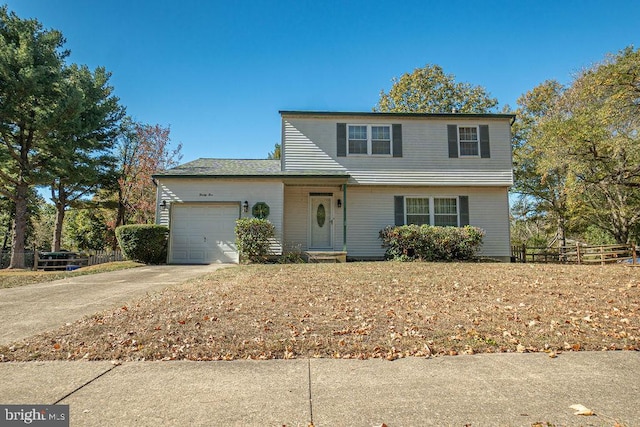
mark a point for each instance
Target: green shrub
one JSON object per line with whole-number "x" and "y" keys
{"x": 428, "y": 243}
{"x": 145, "y": 243}
{"x": 253, "y": 237}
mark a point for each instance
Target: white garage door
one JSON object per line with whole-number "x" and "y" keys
{"x": 203, "y": 234}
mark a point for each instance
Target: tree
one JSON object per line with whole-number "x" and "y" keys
{"x": 142, "y": 151}
{"x": 275, "y": 154}
{"x": 43, "y": 219}
{"x": 86, "y": 229}
{"x": 430, "y": 90}
{"x": 541, "y": 187}
{"x": 587, "y": 140}
{"x": 89, "y": 117}
{"x": 596, "y": 132}
{"x": 6, "y": 221}
{"x": 31, "y": 64}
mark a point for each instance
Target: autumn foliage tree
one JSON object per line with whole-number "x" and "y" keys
{"x": 577, "y": 149}
{"x": 543, "y": 189}
{"x": 142, "y": 151}
{"x": 431, "y": 90}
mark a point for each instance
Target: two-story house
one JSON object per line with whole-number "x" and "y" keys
{"x": 342, "y": 178}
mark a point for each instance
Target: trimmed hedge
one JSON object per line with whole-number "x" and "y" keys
{"x": 253, "y": 237}
{"x": 429, "y": 243}
{"x": 145, "y": 243}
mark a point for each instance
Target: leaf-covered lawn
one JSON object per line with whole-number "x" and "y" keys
{"x": 361, "y": 310}
{"x": 13, "y": 278}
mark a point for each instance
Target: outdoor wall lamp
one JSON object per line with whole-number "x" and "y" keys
{"x": 163, "y": 205}
{"x": 245, "y": 207}
{"x": 339, "y": 203}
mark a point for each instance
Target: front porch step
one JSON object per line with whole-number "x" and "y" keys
{"x": 325, "y": 257}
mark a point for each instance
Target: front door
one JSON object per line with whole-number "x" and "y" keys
{"x": 321, "y": 220}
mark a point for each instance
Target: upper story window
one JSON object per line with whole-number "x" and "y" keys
{"x": 369, "y": 139}
{"x": 358, "y": 140}
{"x": 468, "y": 137}
{"x": 468, "y": 141}
{"x": 381, "y": 140}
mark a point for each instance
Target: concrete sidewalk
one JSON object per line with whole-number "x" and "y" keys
{"x": 27, "y": 310}
{"x": 480, "y": 390}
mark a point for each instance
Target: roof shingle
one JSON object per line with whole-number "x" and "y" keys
{"x": 207, "y": 167}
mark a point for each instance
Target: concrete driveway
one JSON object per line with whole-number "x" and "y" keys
{"x": 27, "y": 310}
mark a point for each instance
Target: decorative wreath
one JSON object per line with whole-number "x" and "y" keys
{"x": 260, "y": 210}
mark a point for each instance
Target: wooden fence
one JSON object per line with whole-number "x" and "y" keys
{"x": 576, "y": 254}
{"x": 100, "y": 257}
{"x": 58, "y": 261}
{"x": 62, "y": 261}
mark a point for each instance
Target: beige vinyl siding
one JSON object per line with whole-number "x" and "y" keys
{"x": 489, "y": 210}
{"x": 296, "y": 217}
{"x": 308, "y": 149}
{"x": 370, "y": 209}
{"x": 310, "y": 143}
{"x": 185, "y": 190}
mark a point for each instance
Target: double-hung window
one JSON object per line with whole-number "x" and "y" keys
{"x": 381, "y": 140}
{"x": 358, "y": 139}
{"x": 369, "y": 140}
{"x": 439, "y": 211}
{"x": 445, "y": 212}
{"x": 469, "y": 142}
{"x": 417, "y": 210}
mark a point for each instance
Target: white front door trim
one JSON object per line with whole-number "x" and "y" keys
{"x": 321, "y": 221}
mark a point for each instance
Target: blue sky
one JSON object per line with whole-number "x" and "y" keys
{"x": 218, "y": 72}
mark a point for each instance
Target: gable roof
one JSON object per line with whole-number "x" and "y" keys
{"x": 241, "y": 168}
{"x": 511, "y": 117}
{"x": 208, "y": 166}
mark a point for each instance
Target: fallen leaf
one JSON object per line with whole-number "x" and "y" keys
{"x": 582, "y": 410}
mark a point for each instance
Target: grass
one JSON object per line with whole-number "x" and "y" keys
{"x": 13, "y": 278}
{"x": 361, "y": 310}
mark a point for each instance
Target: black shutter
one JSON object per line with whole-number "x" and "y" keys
{"x": 397, "y": 140}
{"x": 452, "y": 132}
{"x": 485, "y": 153}
{"x": 342, "y": 140}
{"x": 399, "y": 209}
{"x": 464, "y": 210}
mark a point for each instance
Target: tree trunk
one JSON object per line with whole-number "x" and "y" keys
{"x": 122, "y": 210}
{"x": 19, "y": 227}
{"x": 6, "y": 238}
{"x": 57, "y": 229}
{"x": 60, "y": 202}
{"x": 562, "y": 237}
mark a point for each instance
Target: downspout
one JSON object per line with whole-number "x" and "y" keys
{"x": 344, "y": 218}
